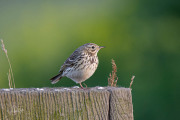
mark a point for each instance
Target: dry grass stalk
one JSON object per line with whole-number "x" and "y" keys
{"x": 10, "y": 74}
{"x": 112, "y": 80}
{"x": 9, "y": 79}
{"x": 132, "y": 79}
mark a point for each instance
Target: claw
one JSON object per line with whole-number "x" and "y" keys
{"x": 81, "y": 86}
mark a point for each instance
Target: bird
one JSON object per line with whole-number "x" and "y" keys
{"x": 81, "y": 64}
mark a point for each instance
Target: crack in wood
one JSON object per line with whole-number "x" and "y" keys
{"x": 107, "y": 103}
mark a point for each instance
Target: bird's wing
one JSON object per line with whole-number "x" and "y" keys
{"x": 70, "y": 61}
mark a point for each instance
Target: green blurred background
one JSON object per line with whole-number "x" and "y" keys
{"x": 143, "y": 37}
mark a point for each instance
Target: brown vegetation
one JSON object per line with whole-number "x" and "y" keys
{"x": 10, "y": 73}
{"x": 112, "y": 80}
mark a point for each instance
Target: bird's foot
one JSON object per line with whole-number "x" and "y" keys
{"x": 82, "y": 86}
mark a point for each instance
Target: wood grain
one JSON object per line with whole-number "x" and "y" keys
{"x": 96, "y": 103}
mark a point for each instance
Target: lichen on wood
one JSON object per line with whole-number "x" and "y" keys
{"x": 107, "y": 103}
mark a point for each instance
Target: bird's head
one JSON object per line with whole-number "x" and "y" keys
{"x": 91, "y": 48}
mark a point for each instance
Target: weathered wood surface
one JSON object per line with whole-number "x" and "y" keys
{"x": 97, "y": 103}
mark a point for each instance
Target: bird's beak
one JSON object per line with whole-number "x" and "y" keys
{"x": 101, "y": 47}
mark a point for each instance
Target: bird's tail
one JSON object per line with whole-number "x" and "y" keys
{"x": 56, "y": 78}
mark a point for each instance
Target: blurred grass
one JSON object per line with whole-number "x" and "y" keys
{"x": 141, "y": 36}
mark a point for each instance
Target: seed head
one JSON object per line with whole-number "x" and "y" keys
{"x": 3, "y": 46}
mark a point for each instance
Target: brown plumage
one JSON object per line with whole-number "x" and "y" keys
{"x": 80, "y": 65}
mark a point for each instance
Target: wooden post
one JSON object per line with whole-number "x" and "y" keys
{"x": 98, "y": 103}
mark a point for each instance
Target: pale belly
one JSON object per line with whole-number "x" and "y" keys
{"x": 81, "y": 74}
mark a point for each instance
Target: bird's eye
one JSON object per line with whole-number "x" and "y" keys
{"x": 93, "y": 47}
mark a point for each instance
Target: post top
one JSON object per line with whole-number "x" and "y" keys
{"x": 63, "y": 89}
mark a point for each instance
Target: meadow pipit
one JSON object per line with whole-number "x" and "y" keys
{"x": 80, "y": 65}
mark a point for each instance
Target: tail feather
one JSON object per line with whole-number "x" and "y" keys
{"x": 56, "y": 78}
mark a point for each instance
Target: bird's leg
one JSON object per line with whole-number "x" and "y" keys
{"x": 81, "y": 86}
{"x": 85, "y": 85}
